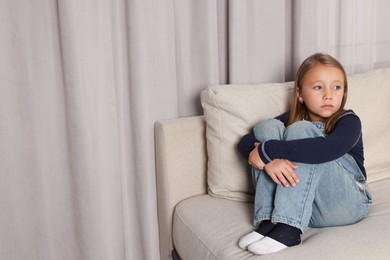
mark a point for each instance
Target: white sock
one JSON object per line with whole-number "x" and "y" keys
{"x": 248, "y": 239}
{"x": 265, "y": 246}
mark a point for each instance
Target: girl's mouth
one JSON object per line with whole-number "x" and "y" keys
{"x": 327, "y": 106}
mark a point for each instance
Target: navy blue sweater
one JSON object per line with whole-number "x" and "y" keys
{"x": 346, "y": 137}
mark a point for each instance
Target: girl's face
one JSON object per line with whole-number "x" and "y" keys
{"x": 322, "y": 92}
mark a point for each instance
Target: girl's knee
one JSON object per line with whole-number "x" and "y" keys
{"x": 303, "y": 129}
{"x": 269, "y": 129}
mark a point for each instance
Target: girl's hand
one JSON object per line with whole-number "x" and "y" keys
{"x": 254, "y": 158}
{"x": 282, "y": 171}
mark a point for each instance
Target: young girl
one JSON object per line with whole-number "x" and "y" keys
{"x": 307, "y": 164}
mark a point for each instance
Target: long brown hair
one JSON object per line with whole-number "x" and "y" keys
{"x": 298, "y": 111}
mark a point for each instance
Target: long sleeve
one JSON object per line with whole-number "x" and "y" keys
{"x": 246, "y": 145}
{"x": 345, "y": 137}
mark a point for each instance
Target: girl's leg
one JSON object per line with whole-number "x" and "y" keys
{"x": 263, "y": 131}
{"x": 328, "y": 194}
{"x": 293, "y": 205}
{"x": 287, "y": 202}
{"x": 345, "y": 203}
{"x": 270, "y": 129}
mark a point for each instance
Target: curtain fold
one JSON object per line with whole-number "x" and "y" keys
{"x": 354, "y": 32}
{"x": 82, "y": 83}
{"x": 257, "y": 36}
{"x": 196, "y": 51}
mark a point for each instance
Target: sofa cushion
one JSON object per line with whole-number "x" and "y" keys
{"x": 212, "y": 226}
{"x": 232, "y": 110}
{"x": 369, "y": 97}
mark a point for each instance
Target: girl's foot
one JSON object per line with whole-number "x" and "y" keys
{"x": 281, "y": 237}
{"x": 248, "y": 239}
{"x": 264, "y": 228}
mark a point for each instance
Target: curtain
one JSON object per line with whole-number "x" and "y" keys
{"x": 82, "y": 83}
{"x": 355, "y": 32}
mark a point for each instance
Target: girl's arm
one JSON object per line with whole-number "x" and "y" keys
{"x": 344, "y": 137}
{"x": 281, "y": 171}
{"x": 246, "y": 145}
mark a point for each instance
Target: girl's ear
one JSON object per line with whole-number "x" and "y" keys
{"x": 298, "y": 95}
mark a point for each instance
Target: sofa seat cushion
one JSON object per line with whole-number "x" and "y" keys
{"x": 206, "y": 227}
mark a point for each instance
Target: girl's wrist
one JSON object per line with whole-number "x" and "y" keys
{"x": 261, "y": 163}
{"x": 262, "y": 167}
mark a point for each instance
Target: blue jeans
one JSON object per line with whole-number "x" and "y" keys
{"x": 334, "y": 193}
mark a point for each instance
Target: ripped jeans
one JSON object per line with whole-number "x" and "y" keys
{"x": 334, "y": 193}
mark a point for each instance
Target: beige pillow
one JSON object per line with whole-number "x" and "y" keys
{"x": 369, "y": 97}
{"x": 231, "y": 111}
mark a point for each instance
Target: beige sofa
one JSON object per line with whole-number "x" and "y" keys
{"x": 204, "y": 188}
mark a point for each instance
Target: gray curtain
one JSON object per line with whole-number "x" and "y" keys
{"x": 82, "y": 83}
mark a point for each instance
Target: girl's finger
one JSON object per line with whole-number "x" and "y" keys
{"x": 282, "y": 179}
{"x": 273, "y": 177}
{"x": 292, "y": 176}
{"x": 292, "y": 179}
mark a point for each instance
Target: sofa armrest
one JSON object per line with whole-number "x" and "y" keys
{"x": 181, "y": 169}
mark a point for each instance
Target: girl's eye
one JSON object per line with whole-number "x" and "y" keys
{"x": 317, "y": 87}
{"x": 338, "y": 87}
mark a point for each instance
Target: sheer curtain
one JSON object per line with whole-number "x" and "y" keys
{"x": 82, "y": 83}
{"x": 355, "y": 32}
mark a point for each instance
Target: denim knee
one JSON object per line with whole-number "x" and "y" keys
{"x": 303, "y": 129}
{"x": 269, "y": 129}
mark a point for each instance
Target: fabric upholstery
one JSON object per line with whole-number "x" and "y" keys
{"x": 206, "y": 227}
{"x": 178, "y": 141}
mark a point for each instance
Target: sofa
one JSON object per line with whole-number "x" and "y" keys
{"x": 205, "y": 195}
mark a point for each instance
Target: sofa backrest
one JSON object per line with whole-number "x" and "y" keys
{"x": 232, "y": 110}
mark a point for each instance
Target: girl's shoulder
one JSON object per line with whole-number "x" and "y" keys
{"x": 348, "y": 113}
{"x": 349, "y": 118}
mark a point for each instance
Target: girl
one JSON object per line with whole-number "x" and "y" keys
{"x": 307, "y": 164}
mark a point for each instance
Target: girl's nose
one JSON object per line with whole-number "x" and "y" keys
{"x": 328, "y": 94}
